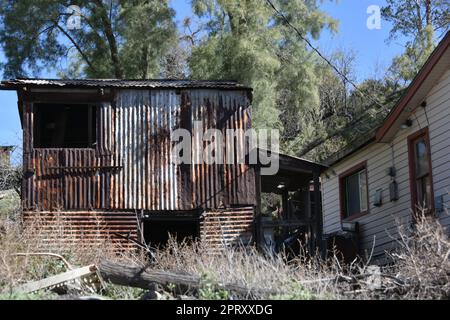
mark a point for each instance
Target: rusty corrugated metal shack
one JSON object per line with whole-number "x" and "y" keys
{"x": 100, "y": 150}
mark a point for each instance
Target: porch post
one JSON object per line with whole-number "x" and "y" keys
{"x": 258, "y": 227}
{"x": 317, "y": 210}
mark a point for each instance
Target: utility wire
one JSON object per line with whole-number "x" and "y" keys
{"x": 288, "y": 23}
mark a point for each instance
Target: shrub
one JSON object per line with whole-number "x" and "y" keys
{"x": 422, "y": 260}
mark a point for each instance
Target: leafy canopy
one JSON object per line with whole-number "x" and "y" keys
{"x": 419, "y": 21}
{"x": 117, "y": 38}
{"x": 247, "y": 41}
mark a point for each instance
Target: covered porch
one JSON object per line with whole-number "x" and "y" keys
{"x": 288, "y": 211}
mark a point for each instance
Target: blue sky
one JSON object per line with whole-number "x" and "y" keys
{"x": 369, "y": 46}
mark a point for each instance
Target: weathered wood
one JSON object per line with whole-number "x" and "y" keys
{"x": 56, "y": 280}
{"x": 141, "y": 277}
{"x": 317, "y": 211}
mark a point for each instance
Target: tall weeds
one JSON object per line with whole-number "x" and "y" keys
{"x": 420, "y": 267}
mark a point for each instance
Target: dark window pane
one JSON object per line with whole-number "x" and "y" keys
{"x": 363, "y": 190}
{"x": 352, "y": 194}
{"x": 421, "y": 157}
{"x": 64, "y": 126}
{"x": 423, "y": 192}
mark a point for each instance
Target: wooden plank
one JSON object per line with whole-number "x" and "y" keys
{"x": 56, "y": 280}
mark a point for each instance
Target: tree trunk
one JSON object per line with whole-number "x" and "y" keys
{"x": 428, "y": 12}
{"x": 107, "y": 29}
{"x": 125, "y": 275}
{"x": 145, "y": 62}
{"x": 429, "y": 22}
{"x": 77, "y": 47}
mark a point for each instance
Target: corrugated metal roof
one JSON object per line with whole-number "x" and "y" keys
{"x": 118, "y": 83}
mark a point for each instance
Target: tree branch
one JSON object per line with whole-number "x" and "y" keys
{"x": 107, "y": 29}
{"x": 75, "y": 44}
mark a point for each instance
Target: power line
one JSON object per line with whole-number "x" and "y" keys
{"x": 287, "y": 22}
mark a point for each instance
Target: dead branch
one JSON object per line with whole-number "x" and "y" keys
{"x": 68, "y": 265}
{"x": 140, "y": 277}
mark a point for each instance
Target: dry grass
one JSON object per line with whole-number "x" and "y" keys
{"x": 422, "y": 261}
{"x": 420, "y": 270}
{"x": 60, "y": 238}
{"x": 266, "y": 275}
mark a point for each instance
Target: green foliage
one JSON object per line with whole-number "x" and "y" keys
{"x": 9, "y": 202}
{"x": 40, "y": 295}
{"x": 417, "y": 18}
{"x": 117, "y": 39}
{"x": 419, "y": 21}
{"x": 295, "y": 91}
{"x": 116, "y": 292}
{"x": 407, "y": 65}
{"x": 43, "y": 267}
{"x": 246, "y": 41}
{"x": 209, "y": 288}
{"x": 148, "y": 33}
{"x": 296, "y": 292}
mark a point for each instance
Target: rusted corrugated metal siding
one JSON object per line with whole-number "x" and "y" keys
{"x": 142, "y": 125}
{"x": 92, "y": 227}
{"x": 96, "y": 191}
{"x": 143, "y": 121}
{"x": 228, "y": 184}
{"x": 131, "y": 166}
{"x": 228, "y": 227}
{"x": 66, "y": 179}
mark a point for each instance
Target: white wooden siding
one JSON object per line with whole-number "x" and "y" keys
{"x": 380, "y": 224}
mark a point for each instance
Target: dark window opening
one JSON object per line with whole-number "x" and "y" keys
{"x": 64, "y": 126}
{"x": 158, "y": 232}
{"x": 354, "y": 192}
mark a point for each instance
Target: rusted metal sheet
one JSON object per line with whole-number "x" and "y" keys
{"x": 66, "y": 179}
{"x": 143, "y": 122}
{"x": 27, "y": 181}
{"x": 77, "y": 226}
{"x": 94, "y": 192}
{"x": 119, "y": 83}
{"x": 131, "y": 167}
{"x": 227, "y": 227}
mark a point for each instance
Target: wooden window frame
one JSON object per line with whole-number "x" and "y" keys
{"x": 342, "y": 201}
{"x": 412, "y": 167}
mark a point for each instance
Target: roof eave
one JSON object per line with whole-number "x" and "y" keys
{"x": 18, "y": 84}
{"x": 7, "y": 87}
{"x": 347, "y": 153}
{"x": 398, "y": 114}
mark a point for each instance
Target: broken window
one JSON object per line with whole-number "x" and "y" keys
{"x": 64, "y": 126}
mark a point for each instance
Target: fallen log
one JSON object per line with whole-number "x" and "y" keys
{"x": 140, "y": 277}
